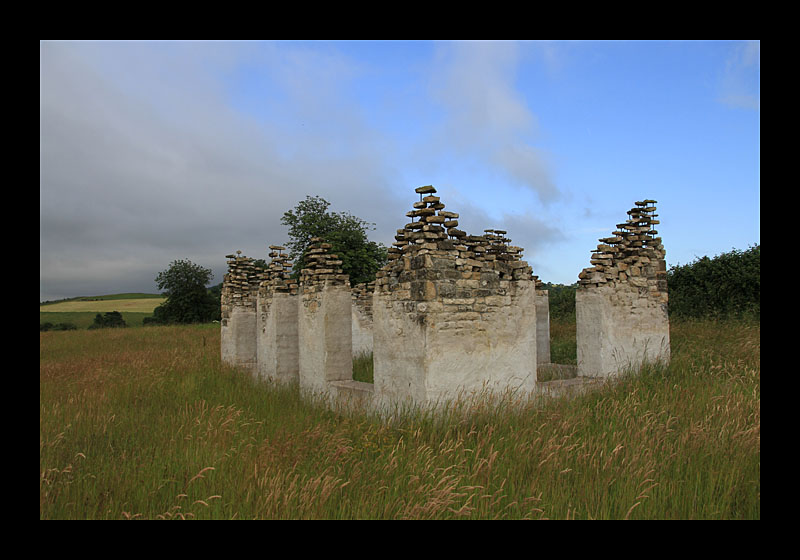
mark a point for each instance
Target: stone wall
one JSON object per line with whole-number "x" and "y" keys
{"x": 453, "y": 313}
{"x": 238, "y": 343}
{"x": 362, "y": 319}
{"x": 324, "y": 321}
{"x": 278, "y": 343}
{"x": 621, "y": 301}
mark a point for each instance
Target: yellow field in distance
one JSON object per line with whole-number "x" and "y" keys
{"x": 144, "y": 305}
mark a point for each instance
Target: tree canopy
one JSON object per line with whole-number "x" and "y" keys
{"x": 347, "y": 234}
{"x": 112, "y": 319}
{"x": 188, "y": 299}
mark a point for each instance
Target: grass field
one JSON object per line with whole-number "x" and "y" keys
{"x": 83, "y": 320}
{"x": 82, "y": 311}
{"x": 148, "y": 424}
{"x": 121, "y": 304}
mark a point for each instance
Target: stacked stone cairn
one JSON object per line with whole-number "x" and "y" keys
{"x": 622, "y": 319}
{"x": 362, "y": 297}
{"x": 240, "y": 284}
{"x": 454, "y": 313}
{"x": 325, "y": 335}
{"x": 321, "y": 267}
{"x": 278, "y": 276}
{"x": 430, "y": 249}
{"x": 277, "y": 350}
{"x": 362, "y": 318}
{"x": 632, "y": 256}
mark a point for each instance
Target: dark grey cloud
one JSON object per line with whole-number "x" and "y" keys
{"x": 148, "y": 156}
{"x": 143, "y": 161}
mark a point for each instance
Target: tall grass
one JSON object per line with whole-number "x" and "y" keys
{"x": 363, "y": 367}
{"x": 563, "y": 341}
{"x": 148, "y": 424}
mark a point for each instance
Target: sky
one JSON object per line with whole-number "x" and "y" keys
{"x": 152, "y": 152}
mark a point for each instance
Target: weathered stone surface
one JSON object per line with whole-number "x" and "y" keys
{"x": 432, "y": 292}
{"x": 325, "y": 336}
{"x": 450, "y": 313}
{"x": 278, "y": 350}
{"x": 621, "y": 302}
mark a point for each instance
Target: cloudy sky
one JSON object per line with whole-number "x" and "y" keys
{"x": 152, "y": 152}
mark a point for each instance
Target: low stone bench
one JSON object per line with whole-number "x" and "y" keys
{"x": 352, "y": 392}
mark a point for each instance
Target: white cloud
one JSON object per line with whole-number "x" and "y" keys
{"x": 487, "y": 116}
{"x": 147, "y": 155}
{"x": 741, "y": 78}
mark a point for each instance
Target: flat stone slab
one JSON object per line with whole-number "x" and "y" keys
{"x": 355, "y": 392}
{"x": 570, "y": 387}
{"x": 428, "y": 189}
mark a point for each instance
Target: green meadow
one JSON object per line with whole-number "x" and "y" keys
{"x": 147, "y": 423}
{"x": 82, "y": 311}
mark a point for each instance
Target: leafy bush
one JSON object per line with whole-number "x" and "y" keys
{"x": 728, "y": 285}
{"x": 562, "y": 300}
{"x": 48, "y": 326}
{"x": 725, "y": 286}
{"x": 111, "y": 319}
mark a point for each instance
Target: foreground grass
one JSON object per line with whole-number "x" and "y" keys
{"x": 148, "y": 424}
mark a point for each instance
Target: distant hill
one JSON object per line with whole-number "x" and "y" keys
{"x": 104, "y": 298}
{"x": 132, "y": 302}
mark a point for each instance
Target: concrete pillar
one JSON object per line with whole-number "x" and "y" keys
{"x": 453, "y": 314}
{"x": 618, "y": 330}
{"x": 430, "y": 351}
{"x": 621, "y": 301}
{"x": 325, "y": 337}
{"x": 278, "y": 342}
{"x": 238, "y": 338}
{"x": 325, "y": 328}
{"x": 238, "y": 326}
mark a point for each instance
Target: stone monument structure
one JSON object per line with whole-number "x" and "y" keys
{"x": 450, "y": 314}
{"x": 238, "y": 310}
{"x": 621, "y": 301}
{"x": 362, "y": 318}
{"x": 324, "y": 321}
{"x": 278, "y": 349}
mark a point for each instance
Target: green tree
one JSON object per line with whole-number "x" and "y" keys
{"x": 347, "y": 234}
{"x": 111, "y": 319}
{"x": 562, "y": 300}
{"x": 188, "y": 299}
{"x": 216, "y": 291}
